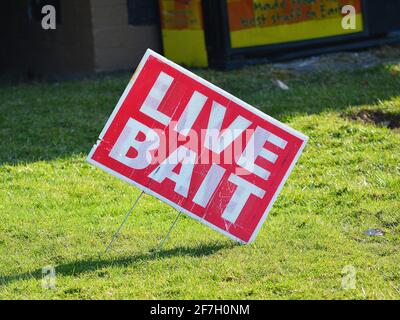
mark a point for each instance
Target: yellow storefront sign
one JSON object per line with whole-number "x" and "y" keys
{"x": 266, "y": 22}
{"x": 183, "y": 32}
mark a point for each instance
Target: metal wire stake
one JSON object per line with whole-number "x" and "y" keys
{"x": 169, "y": 231}
{"x": 123, "y": 222}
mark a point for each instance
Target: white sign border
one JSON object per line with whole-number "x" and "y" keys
{"x": 229, "y": 96}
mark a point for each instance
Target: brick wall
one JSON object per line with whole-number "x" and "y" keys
{"x": 35, "y": 52}
{"x": 118, "y": 45}
{"x": 93, "y": 36}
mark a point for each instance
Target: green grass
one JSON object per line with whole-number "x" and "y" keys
{"x": 58, "y": 210}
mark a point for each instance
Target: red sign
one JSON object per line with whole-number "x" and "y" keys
{"x": 198, "y": 148}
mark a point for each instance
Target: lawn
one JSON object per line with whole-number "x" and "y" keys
{"x": 58, "y": 210}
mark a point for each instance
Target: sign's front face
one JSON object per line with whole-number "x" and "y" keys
{"x": 198, "y": 148}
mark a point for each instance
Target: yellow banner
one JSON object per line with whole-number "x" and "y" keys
{"x": 265, "y": 22}
{"x": 183, "y": 32}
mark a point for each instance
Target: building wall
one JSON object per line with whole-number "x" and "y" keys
{"x": 118, "y": 45}
{"x": 35, "y": 52}
{"x": 70, "y": 46}
{"x": 91, "y": 36}
{"x": 7, "y": 25}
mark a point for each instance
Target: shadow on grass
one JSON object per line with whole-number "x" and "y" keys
{"x": 52, "y": 121}
{"x": 94, "y": 264}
